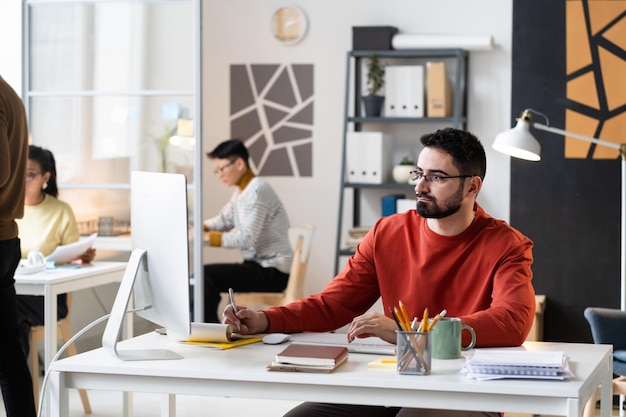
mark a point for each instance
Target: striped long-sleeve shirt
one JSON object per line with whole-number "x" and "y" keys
{"x": 255, "y": 221}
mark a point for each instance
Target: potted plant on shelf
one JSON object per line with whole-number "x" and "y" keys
{"x": 402, "y": 172}
{"x": 373, "y": 102}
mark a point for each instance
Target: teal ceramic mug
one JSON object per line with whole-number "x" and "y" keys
{"x": 446, "y": 335}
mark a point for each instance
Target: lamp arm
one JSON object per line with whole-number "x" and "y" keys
{"x": 577, "y": 136}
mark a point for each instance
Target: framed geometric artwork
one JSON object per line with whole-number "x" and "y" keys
{"x": 271, "y": 110}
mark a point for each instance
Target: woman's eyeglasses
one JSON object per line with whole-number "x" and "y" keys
{"x": 31, "y": 174}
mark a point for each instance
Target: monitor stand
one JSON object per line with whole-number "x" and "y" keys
{"x": 137, "y": 264}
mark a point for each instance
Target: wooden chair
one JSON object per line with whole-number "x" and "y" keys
{"x": 607, "y": 327}
{"x": 300, "y": 239}
{"x": 64, "y": 333}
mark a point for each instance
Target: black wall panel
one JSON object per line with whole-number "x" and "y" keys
{"x": 570, "y": 208}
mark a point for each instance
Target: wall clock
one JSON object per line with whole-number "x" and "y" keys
{"x": 289, "y": 24}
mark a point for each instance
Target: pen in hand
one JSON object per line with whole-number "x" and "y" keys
{"x": 231, "y": 294}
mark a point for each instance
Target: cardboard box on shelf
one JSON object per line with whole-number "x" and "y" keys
{"x": 438, "y": 91}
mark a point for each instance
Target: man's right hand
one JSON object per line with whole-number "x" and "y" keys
{"x": 249, "y": 322}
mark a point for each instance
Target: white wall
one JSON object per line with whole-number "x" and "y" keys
{"x": 10, "y": 44}
{"x": 238, "y": 31}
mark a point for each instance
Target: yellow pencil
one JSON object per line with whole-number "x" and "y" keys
{"x": 400, "y": 320}
{"x": 405, "y": 316}
{"x": 424, "y": 327}
{"x": 436, "y": 319}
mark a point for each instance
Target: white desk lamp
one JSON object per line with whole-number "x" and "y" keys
{"x": 520, "y": 143}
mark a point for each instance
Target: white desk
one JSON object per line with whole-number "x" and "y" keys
{"x": 60, "y": 280}
{"x": 241, "y": 373}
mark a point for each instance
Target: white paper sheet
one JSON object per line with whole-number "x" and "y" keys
{"x": 418, "y": 40}
{"x": 66, "y": 253}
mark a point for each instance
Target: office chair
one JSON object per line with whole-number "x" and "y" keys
{"x": 37, "y": 334}
{"x": 608, "y": 326}
{"x": 300, "y": 239}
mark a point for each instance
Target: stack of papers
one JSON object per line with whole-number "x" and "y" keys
{"x": 356, "y": 235}
{"x": 509, "y": 363}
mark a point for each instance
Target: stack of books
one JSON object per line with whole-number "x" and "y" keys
{"x": 309, "y": 358}
{"x": 514, "y": 363}
{"x": 356, "y": 235}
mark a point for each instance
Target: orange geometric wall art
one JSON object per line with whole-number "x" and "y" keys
{"x": 596, "y": 76}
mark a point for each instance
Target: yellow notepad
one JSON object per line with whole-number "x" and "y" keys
{"x": 225, "y": 345}
{"x": 214, "y": 335}
{"x": 383, "y": 363}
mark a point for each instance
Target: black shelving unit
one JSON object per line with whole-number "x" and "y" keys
{"x": 354, "y": 120}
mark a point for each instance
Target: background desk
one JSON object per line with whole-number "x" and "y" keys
{"x": 60, "y": 280}
{"x": 240, "y": 372}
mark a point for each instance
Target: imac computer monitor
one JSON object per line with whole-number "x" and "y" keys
{"x": 157, "y": 274}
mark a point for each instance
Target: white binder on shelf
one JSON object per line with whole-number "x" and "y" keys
{"x": 355, "y": 157}
{"x": 368, "y": 157}
{"x": 404, "y": 91}
{"x": 405, "y": 204}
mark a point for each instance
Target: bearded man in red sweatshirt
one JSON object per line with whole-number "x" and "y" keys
{"x": 447, "y": 254}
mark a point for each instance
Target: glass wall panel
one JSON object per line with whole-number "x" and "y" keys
{"x": 111, "y": 46}
{"x": 110, "y": 88}
{"x": 101, "y": 139}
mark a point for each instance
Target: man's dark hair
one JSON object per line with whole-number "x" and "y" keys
{"x": 46, "y": 161}
{"x": 230, "y": 149}
{"x": 468, "y": 154}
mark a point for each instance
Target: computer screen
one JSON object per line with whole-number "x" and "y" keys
{"x": 157, "y": 274}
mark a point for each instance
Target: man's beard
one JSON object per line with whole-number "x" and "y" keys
{"x": 432, "y": 210}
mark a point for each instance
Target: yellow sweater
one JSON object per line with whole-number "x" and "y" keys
{"x": 46, "y": 226}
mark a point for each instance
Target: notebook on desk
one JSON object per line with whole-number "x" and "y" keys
{"x": 372, "y": 345}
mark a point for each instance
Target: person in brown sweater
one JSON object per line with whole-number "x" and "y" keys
{"x": 15, "y": 381}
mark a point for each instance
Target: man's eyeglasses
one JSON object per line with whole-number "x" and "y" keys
{"x": 434, "y": 178}
{"x": 30, "y": 175}
{"x": 221, "y": 169}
